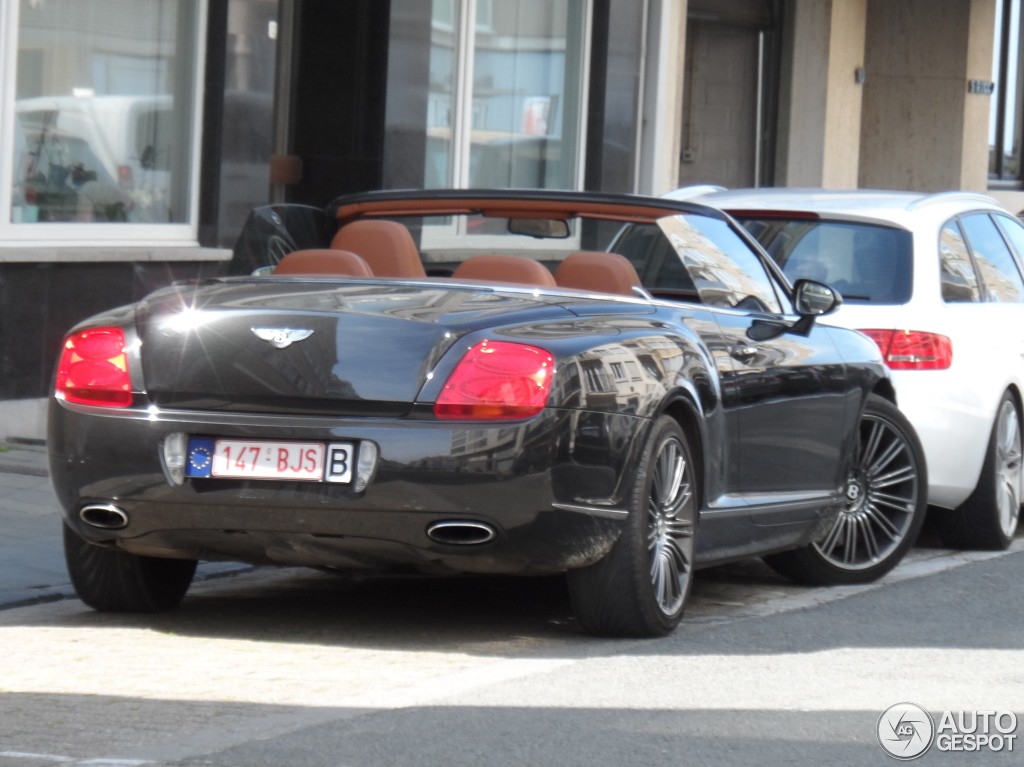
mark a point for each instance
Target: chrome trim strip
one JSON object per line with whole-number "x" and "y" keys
{"x": 219, "y": 417}
{"x": 593, "y": 511}
{"x": 756, "y": 504}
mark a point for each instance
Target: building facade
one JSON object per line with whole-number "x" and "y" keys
{"x": 135, "y": 135}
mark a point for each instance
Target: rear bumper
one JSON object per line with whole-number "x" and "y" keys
{"x": 549, "y": 488}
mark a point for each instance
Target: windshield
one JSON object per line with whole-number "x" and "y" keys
{"x": 866, "y": 263}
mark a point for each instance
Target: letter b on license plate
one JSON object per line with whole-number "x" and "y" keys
{"x": 338, "y": 463}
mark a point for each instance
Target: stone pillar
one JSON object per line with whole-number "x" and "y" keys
{"x": 820, "y": 113}
{"x": 662, "y": 98}
{"x": 980, "y": 47}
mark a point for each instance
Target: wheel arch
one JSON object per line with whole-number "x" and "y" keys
{"x": 682, "y": 407}
{"x": 884, "y": 388}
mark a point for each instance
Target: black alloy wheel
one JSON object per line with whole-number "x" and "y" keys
{"x": 641, "y": 586}
{"x": 885, "y": 502}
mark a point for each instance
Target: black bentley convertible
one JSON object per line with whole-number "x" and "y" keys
{"x": 481, "y": 382}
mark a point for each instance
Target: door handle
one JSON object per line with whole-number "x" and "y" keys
{"x": 743, "y": 352}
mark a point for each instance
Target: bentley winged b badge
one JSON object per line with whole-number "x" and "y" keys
{"x": 279, "y": 338}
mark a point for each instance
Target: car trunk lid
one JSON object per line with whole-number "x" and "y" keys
{"x": 310, "y": 346}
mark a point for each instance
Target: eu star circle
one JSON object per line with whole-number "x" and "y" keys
{"x": 200, "y": 458}
{"x": 905, "y": 731}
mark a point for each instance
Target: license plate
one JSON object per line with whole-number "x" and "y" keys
{"x": 262, "y": 459}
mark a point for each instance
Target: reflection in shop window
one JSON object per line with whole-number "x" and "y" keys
{"x": 506, "y": 112}
{"x": 104, "y": 111}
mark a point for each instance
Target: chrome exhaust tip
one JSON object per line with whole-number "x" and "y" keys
{"x": 458, "y": 532}
{"x": 104, "y": 515}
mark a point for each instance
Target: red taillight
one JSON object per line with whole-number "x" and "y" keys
{"x": 913, "y": 349}
{"x": 497, "y": 381}
{"x": 93, "y": 369}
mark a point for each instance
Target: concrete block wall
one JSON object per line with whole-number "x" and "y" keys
{"x": 921, "y": 129}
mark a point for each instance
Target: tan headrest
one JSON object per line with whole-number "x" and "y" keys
{"x": 598, "y": 272}
{"x": 323, "y": 261}
{"x": 386, "y": 246}
{"x": 516, "y": 270}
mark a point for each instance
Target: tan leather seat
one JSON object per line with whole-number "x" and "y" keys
{"x": 386, "y": 246}
{"x": 598, "y": 272}
{"x": 514, "y": 270}
{"x": 323, "y": 261}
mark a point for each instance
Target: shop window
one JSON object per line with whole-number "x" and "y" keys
{"x": 1006, "y": 120}
{"x": 99, "y": 119}
{"x": 504, "y": 104}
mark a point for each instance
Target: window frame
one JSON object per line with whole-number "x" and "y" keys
{"x": 78, "y": 235}
{"x": 997, "y": 174}
{"x": 1011, "y": 221}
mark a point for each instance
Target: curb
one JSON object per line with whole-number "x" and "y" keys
{"x": 24, "y": 456}
{"x": 17, "y": 468}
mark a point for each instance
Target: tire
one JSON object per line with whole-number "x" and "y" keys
{"x": 885, "y": 506}
{"x": 988, "y": 519}
{"x": 109, "y": 580}
{"x": 640, "y": 588}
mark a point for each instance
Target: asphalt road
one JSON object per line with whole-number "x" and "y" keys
{"x": 290, "y": 667}
{"x": 294, "y": 667}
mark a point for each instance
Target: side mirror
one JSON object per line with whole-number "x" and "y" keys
{"x": 813, "y": 299}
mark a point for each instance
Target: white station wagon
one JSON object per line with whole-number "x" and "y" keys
{"x": 937, "y": 281}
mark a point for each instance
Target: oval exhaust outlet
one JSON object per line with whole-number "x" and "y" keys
{"x": 455, "y": 532}
{"x": 104, "y": 515}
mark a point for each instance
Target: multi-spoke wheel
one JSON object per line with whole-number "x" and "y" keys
{"x": 640, "y": 587}
{"x": 988, "y": 519}
{"x": 884, "y": 506}
{"x": 670, "y": 532}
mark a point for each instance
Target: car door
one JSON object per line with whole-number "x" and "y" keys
{"x": 786, "y": 392}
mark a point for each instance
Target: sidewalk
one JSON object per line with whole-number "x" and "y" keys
{"x": 31, "y": 553}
